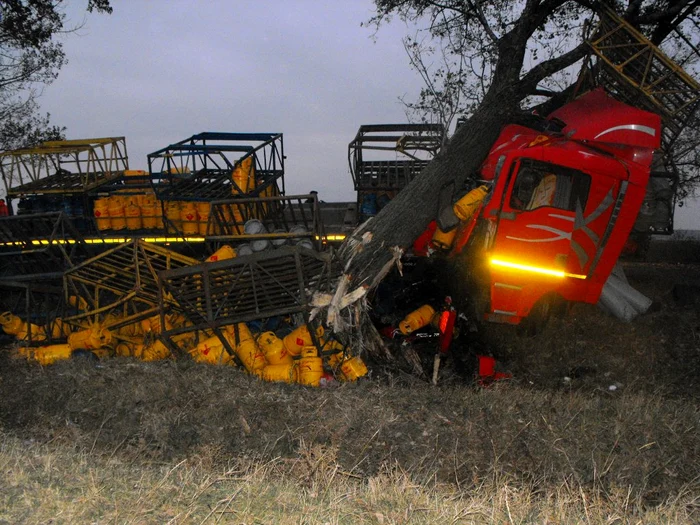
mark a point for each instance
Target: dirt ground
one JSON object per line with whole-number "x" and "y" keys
{"x": 592, "y": 399}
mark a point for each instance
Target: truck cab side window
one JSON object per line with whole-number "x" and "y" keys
{"x": 539, "y": 184}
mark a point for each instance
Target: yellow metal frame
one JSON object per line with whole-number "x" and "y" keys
{"x": 94, "y": 161}
{"x": 639, "y": 65}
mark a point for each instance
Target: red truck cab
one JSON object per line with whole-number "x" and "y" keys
{"x": 562, "y": 205}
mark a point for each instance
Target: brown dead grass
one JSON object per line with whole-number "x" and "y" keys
{"x": 53, "y": 484}
{"x": 76, "y": 433}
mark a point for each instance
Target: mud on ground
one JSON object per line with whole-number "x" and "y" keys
{"x": 557, "y": 420}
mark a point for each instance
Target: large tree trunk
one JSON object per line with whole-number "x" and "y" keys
{"x": 372, "y": 249}
{"x": 407, "y": 216}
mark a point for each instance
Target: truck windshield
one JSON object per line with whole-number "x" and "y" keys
{"x": 540, "y": 184}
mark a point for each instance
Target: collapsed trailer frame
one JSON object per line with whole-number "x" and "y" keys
{"x": 122, "y": 278}
{"x": 262, "y": 285}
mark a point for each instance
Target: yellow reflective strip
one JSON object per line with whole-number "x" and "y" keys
{"x": 535, "y": 269}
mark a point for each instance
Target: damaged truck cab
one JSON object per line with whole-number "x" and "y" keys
{"x": 561, "y": 205}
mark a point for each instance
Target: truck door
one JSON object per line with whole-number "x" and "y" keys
{"x": 532, "y": 246}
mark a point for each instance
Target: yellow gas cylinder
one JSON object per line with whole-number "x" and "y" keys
{"x": 132, "y": 213}
{"x": 78, "y": 302}
{"x": 159, "y": 214}
{"x": 152, "y": 352}
{"x": 417, "y": 319}
{"x": 90, "y": 338}
{"x": 117, "y": 215}
{"x": 465, "y": 207}
{"x": 248, "y": 351}
{"x": 131, "y": 330}
{"x": 273, "y": 348}
{"x": 236, "y": 220}
{"x": 149, "y": 217}
{"x": 37, "y": 333}
{"x": 188, "y": 217}
{"x": 353, "y": 368}
{"x": 101, "y": 212}
{"x": 266, "y": 192}
{"x": 443, "y": 240}
{"x": 59, "y": 329}
{"x": 203, "y": 211}
{"x": 177, "y": 320}
{"x": 152, "y": 324}
{"x": 243, "y": 177}
{"x": 310, "y": 367}
{"x": 48, "y": 355}
{"x": 124, "y": 349}
{"x": 284, "y": 372}
{"x": 172, "y": 213}
{"x": 211, "y": 351}
{"x": 299, "y": 338}
{"x": 11, "y": 324}
{"x": 223, "y": 253}
{"x": 334, "y": 360}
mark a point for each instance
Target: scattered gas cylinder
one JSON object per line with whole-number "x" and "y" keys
{"x": 310, "y": 367}
{"x": 90, "y": 338}
{"x": 417, "y": 319}
{"x": 248, "y": 351}
{"x": 443, "y": 240}
{"x": 124, "y": 349}
{"x": 465, "y": 207}
{"x": 152, "y": 352}
{"x": 284, "y": 372}
{"x": 48, "y": 355}
{"x": 353, "y": 368}
{"x": 59, "y": 329}
{"x": 274, "y": 349}
{"x": 211, "y": 351}
{"x": 299, "y": 338}
{"x": 223, "y": 253}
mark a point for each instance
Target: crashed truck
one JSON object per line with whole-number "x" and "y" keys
{"x": 556, "y": 209}
{"x": 555, "y": 202}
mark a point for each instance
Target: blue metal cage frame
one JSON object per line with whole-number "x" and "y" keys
{"x": 200, "y": 167}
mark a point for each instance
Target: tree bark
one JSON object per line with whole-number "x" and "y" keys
{"x": 400, "y": 222}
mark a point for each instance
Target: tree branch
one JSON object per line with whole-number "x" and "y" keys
{"x": 482, "y": 19}
{"x": 528, "y": 83}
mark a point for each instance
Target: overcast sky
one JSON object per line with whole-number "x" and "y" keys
{"x": 159, "y": 71}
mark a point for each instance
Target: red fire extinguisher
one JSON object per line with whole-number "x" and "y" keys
{"x": 446, "y": 327}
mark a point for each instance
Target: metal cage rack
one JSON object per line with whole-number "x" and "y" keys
{"x": 377, "y": 178}
{"x": 200, "y": 167}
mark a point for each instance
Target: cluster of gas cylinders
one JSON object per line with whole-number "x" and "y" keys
{"x": 295, "y": 356}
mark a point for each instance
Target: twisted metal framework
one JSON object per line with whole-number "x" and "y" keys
{"x": 640, "y": 74}
{"x": 262, "y": 285}
{"x": 199, "y": 168}
{"x": 39, "y": 246}
{"x": 123, "y": 278}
